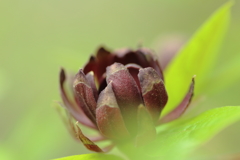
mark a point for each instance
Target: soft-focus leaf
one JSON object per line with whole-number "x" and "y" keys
{"x": 225, "y": 76}
{"x": 5, "y": 153}
{"x": 180, "y": 139}
{"x": 197, "y": 57}
{"x": 94, "y": 156}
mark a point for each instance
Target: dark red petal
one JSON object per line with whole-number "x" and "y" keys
{"x": 102, "y": 53}
{"x": 143, "y": 57}
{"x": 62, "y": 79}
{"x": 127, "y": 94}
{"x": 90, "y": 66}
{"x": 91, "y": 80}
{"x": 134, "y": 70}
{"x": 71, "y": 106}
{"x": 84, "y": 96}
{"x": 146, "y": 127}
{"x": 153, "y": 91}
{"x": 181, "y": 108}
{"x": 99, "y": 63}
{"x": 102, "y": 85}
{"x": 87, "y": 142}
{"x": 126, "y": 56}
{"x": 76, "y": 132}
{"x": 109, "y": 119}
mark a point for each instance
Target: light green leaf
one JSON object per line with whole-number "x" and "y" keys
{"x": 93, "y": 156}
{"x": 224, "y": 77}
{"x": 197, "y": 57}
{"x": 180, "y": 139}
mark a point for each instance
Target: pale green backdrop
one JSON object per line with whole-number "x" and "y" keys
{"x": 37, "y": 37}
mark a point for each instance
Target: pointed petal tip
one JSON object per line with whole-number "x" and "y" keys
{"x": 102, "y": 52}
{"x": 80, "y": 77}
{"x": 107, "y": 97}
{"x": 62, "y": 76}
{"x": 115, "y": 67}
{"x": 193, "y": 81}
{"x": 147, "y": 77}
{"x": 101, "y": 49}
{"x": 86, "y": 141}
{"x": 92, "y": 58}
{"x": 182, "y": 107}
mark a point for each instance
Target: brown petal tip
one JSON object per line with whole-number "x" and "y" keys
{"x": 86, "y": 141}
{"x": 62, "y": 76}
{"x": 153, "y": 91}
{"x": 102, "y": 52}
{"x": 148, "y": 77}
{"x": 114, "y": 68}
{"x": 80, "y": 77}
{"x": 107, "y": 97}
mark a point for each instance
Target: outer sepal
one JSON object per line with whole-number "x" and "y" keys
{"x": 85, "y": 96}
{"x": 109, "y": 119}
{"x": 127, "y": 94}
{"x": 181, "y": 108}
{"x": 72, "y": 107}
{"x": 153, "y": 91}
{"x": 86, "y": 141}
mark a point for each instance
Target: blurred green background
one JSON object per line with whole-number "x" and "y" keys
{"x": 38, "y": 37}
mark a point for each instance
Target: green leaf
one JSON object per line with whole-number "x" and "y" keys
{"x": 177, "y": 138}
{"x": 93, "y": 156}
{"x": 197, "y": 57}
{"x": 224, "y": 77}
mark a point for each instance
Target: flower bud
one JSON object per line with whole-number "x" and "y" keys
{"x": 120, "y": 94}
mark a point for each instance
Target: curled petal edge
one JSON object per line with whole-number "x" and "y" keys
{"x": 77, "y": 134}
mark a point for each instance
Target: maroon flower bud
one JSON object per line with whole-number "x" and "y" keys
{"x": 120, "y": 94}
